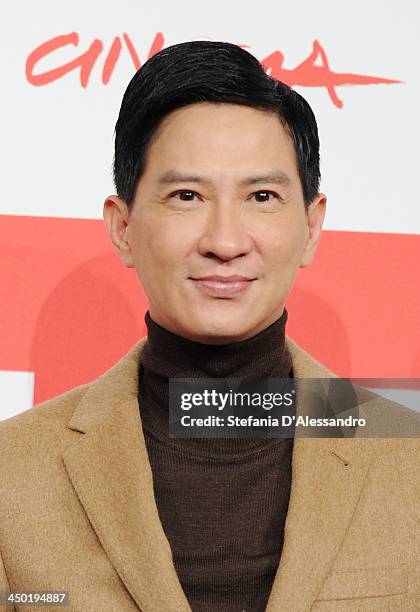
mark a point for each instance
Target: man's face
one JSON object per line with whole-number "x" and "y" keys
{"x": 220, "y": 196}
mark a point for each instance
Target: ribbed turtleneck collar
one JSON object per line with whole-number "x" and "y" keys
{"x": 166, "y": 355}
{"x": 172, "y": 356}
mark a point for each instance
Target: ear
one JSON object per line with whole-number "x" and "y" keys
{"x": 315, "y": 214}
{"x": 116, "y": 217}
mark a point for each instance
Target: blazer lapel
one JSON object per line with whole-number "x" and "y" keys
{"x": 111, "y": 474}
{"x": 327, "y": 478}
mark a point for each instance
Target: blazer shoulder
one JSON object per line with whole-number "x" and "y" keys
{"x": 48, "y": 417}
{"x": 387, "y": 418}
{"x": 64, "y": 417}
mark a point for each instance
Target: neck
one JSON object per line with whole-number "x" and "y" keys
{"x": 171, "y": 356}
{"x": 166, "y": 355}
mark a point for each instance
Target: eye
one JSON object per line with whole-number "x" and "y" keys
{"x": 187, "y": 195}
{"x": 265, "y": 195}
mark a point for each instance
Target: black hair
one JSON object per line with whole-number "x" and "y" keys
{"x": 207, "y": 71}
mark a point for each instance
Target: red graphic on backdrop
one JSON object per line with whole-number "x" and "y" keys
{"x": 314, "y": 71}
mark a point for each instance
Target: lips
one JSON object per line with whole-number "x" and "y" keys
{"x": 227, "y": 279}
{"x": 223, "y": 286}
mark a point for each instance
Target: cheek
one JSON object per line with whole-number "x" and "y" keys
{"x": 158, "y": 247}
{"x": 286, "y": 249}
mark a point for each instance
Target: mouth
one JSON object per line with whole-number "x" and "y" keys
{"x": 223, "y": 288}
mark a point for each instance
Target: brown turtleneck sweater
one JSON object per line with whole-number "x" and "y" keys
{"x": 222, "y": 502}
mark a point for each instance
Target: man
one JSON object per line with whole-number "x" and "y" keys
{"x": 217, "y": 207}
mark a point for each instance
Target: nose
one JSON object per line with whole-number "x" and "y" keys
{"x": 224, "y": 235}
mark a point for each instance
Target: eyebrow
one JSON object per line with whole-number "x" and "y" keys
{"x": 173, "y": 176}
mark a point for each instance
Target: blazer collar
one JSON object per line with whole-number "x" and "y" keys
{"x": 111, "y": 474}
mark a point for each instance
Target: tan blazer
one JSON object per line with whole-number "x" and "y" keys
{"x": 78, "y": 513}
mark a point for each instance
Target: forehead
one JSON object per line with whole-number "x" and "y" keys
{"x": 228, "y": 137}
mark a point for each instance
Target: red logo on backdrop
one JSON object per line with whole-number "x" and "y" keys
{"x": 314, "y": 71}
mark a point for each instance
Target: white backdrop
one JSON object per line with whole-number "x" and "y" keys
{"x": 57, "y": 138}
